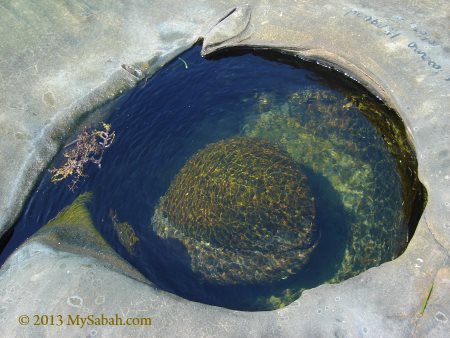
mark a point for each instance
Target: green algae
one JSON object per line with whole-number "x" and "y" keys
{"x": 390, "y": 126}
{"x": 75, "y": 214}
{"x": 333, "y": 136}
{"x": 73, "y": 230}
{"x": 72, "y": 223}
{"x": 282, "y": 300}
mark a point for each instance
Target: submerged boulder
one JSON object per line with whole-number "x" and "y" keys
{"x": 243, "y": 210}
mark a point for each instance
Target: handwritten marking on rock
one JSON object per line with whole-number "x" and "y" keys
{"x": 378, "y": 23}
{"x": 423, "y": 35}
{"x": 424, "y": 56}
{"x": 393, "y": 33}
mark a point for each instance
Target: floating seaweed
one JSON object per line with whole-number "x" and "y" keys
{"x": 88, "y": 147}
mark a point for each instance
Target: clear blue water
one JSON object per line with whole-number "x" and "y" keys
{"x": 165, "y": 121}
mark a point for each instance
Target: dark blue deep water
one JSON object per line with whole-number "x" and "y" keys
{"x": 167, "y": 119}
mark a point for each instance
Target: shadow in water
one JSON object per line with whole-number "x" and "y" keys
{"x": 4, "y": 241}
{"x": 334, "y": 222}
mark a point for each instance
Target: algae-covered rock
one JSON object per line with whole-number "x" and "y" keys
{"x": 243, "y": 210}
{"x": 73, "y": 230}
{"x": 329, "y": 134}
{"x": 74, "y": 226}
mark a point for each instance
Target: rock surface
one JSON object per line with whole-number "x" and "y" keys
{"x": 59, "y": 61}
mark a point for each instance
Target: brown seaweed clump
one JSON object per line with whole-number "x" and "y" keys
{"x": 244, "y": 211}
{"x": 125, "y": 232}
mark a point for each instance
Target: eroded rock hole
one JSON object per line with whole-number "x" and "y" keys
{"x": 242, "y": 180}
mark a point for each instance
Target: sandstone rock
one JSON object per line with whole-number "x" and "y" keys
{"x": 61, "y": 60}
